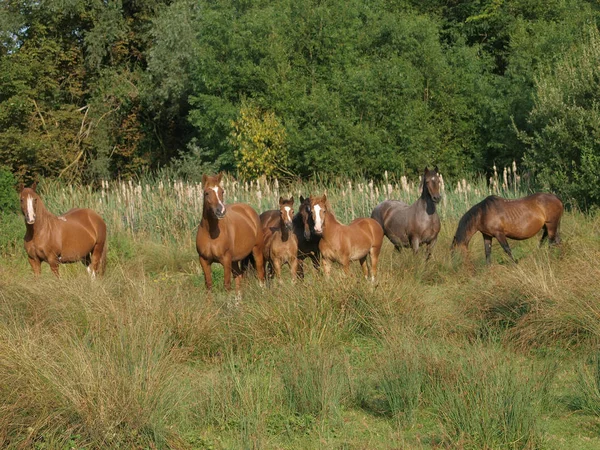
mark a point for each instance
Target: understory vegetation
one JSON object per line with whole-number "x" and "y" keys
{"x": 448, "y": 353}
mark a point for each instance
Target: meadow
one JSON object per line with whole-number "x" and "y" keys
{"x": 449, "y": 353}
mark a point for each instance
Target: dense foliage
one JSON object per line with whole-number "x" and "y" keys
{"x": 95, "y": 89}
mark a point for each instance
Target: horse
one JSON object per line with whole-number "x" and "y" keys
{"x": 227, "y": 235}
{"x": 518, "y": 219}
{"x": 419, "y": 223}
{"x": 360, "y": 239}
{"x": 281, "y": 244}
{"x": 77, "y": 235}
{"x": 308, "y": 240}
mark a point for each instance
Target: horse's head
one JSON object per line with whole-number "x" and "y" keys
{"x": 307, "y": 220}
{"x": 318, "y": 208}
{"x": 213, "y": 195}
{"x": 431, "y": 182}
{"x": 286, "y": 211}
{"x": 29, "y": 199}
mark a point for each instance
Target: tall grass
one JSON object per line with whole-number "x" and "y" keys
{"x": 438, "y": 353}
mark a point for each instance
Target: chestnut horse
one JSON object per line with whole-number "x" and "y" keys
{"x": 308, "y": 240}
{"x": 281, "y": 244}
{"x": 77, "y": 235}
{"x": 227, "y": 235}
{"x": 419, "y": 223}
{"x": 344, "y": 243}
{"x": 518, "y": 219}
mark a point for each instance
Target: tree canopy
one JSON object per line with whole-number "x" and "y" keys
{"x": 93, "y": 89}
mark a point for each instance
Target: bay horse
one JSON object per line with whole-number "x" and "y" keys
{"x": 360, "y": 239}
{"x": 518, "y": 219}
{"x": 227, "y": 235}
{"x": 419, "y": 223}
{"x": 308, "y": 240}
{"x": 77, "y": 235}
{"x": 280, "y": 242}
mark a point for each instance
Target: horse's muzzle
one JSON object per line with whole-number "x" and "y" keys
{"x": 220, "y": 213}
{"x": 289, "y": 226}
{"x": 307, "y": 235}
{"x": 436, "y": 198}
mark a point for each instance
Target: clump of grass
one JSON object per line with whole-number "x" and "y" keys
{"x": 401, "y": 375}
{"x": 588, "y": 386}
{"x": 490, "y": 401}
{"x": 314, "y": 381}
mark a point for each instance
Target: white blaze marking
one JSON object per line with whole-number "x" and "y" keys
{"x": 216, "y": 189}
{"x": 30, "y": 212}
{"x": 318, "y": 220}
{"x": 287, "y": 210}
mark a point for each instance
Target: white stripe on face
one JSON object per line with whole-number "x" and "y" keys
{"x": 318, "y": 219}
{"x": 288, "y": 213}
{"x": 216, "y": 189}
{"x": 30, "y": 213}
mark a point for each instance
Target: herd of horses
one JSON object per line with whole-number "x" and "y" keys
{"x": 235, "y": 236}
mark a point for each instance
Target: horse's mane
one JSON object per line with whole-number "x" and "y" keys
{"x": 473, "y": 214}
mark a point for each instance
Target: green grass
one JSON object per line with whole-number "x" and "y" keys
{"x": 447, "y": 353}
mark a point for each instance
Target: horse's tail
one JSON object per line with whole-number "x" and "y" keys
{"x": 102, "y": 261}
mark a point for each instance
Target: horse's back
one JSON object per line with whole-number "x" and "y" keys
{"x": 81, "y": 229}
{"x": 370, "y": 227}
{"x": 269, "y": 219}
{"x": 244, "y": 228}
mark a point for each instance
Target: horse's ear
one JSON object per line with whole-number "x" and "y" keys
{"x": 34, "y": 186}
{"x": 324, "y": 198}
{"x": 219, "y": 177}
{"x": 280, "y": 201}
{"x": 302, "y": 199}
{"x": 292, "y": 200}
{"x": 436, "y": 169}
{"x": 20, "y": 187}
{"x": 426, "y": 169}
{"x": 204, "y": 178}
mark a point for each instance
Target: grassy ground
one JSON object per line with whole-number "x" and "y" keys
{"x": 448, "y": 353}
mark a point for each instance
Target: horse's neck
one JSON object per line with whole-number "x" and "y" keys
{"x": 210, "y": 223}
{"x": 330, "y": 224}
{"x": 426, "y": 201}
{"x": 285, "y": 233}
{"x": 44, "y": 219}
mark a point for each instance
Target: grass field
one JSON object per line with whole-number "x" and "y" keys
{"x": 448, "y": 353}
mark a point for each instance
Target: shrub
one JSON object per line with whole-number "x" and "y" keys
{"x": 8, "y": 195}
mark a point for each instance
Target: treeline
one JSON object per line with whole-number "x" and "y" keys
{"x": 95, "y": 89}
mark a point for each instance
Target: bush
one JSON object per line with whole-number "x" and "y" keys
{"x": 8, "y": 195}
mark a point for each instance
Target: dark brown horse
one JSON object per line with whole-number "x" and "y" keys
{"x": 308, "y": 240}
{"x": 227, "y": 235}
{"x": 419, "y": 223}
{"x": 77, "y": 235}
{"x": 360, "y": 239}
{"x": 518, "y": 219}
{"x": 281, "y": 244}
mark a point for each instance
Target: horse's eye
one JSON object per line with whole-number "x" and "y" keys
{"x": 206, "y": 194}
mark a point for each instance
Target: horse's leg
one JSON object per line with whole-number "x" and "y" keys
{"x": 94, "y": 261}
{"x": 259, "y": 260}
{"x": 315, "y": 260}
{"x": 207, "y": 273}
{"x": 553, "y": 237}
{"x": 36, "y": 265}
{"x": 277, "y": 267}
{"x": 300, "y": 268}
{"x": 504, "y": 243}
{"x": 226, "y": 261}
{"x": 326, "y": 266}
{"x": 364, "y": 266}
{"x": 487, "y": 244}
{"x": 237, "y": 275}
{"x": 294, "y": 267}
{"x": 415, "y": 245}
{"x": 430, "y": 246}
{"x": 346, "y": 265}
{"x": 54, "y": 266}
{"x": 374, "y": 253}
{"x": 544, "y": 234}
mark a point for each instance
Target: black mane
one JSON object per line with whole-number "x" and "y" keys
{"x": 466, "y": 221}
